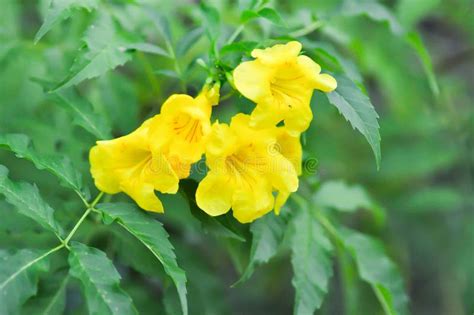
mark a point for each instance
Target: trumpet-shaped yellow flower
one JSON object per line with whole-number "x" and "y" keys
{"x": 128, "y": 164}
{"x": 157, "y": 154}
{"x": 184, "y": 125}
{"x": 281, "y": 83}
{"x": 245, "y": 167}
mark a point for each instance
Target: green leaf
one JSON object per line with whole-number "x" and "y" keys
{"x": 188, "y": 41}
{"x": 60, "y": 10}
{"x": 27, "y": 199}
{"x": 211, "y": 21}
{"x": 19, "y": 278}
{"x": 51, "y": 299}
{"x": 267, "y": 234}
{"x": 311, "y": 261}
{"x": 239, "y": 47}
{"x": 340, "y": 196}
{"x": 356, "y": 108}
{"x": 100, "y": 281}
{"x": 147, "y": 48}
{"x": 152, "y": 234}
{"x": 414, "y": 39}
{"x": 272, "y": 15}
{"x": 221, "y": 226}
{"x": 61, "y": 168}
{"x": 105, "y": 50}
{"x": 83, "y": 113}
{"x": 373, "y": 10}
{"x": 378, "y": 270}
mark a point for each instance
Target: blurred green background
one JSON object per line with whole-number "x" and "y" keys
{"x": 424, "y": 185}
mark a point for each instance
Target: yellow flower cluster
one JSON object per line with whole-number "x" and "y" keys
{"x": 253, "y": 163}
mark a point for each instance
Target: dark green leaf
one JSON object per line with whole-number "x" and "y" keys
{"x": 19, "y": 278}
{"x": 267, "y": 235}
{"x": 378, "y": 270}
{"x": 152, "y": 234}
{"x": 356, "y": 107}
{"x": 340, "y": 196}
{"x": 100, "y": 281}
{"x": 28, "y": 201}
{"x": 60, "y": 10}
{"x": 311, "y": 261}
{"x": 51, "y": 299}
{"x": 148, "y": 48}
{"x": 61, "y": 168}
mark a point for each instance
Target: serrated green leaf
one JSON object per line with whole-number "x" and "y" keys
{"x": 340, "y": 196}
{"x": 356, "y": 108}
{"x": 83, "y": 113}
{"x": 378, "y": 270}
{"x": 19, "y": 278}
{"x": 100, "y": 281}
{"x": 60, "y": 10}
{"x": 267, "y": 234}
{"x": 311, "y": 261}
{"x": 152, "y": 234}
{"x": 374, "y": 10}
{"x": 51, "y": 299}
{"x": 61, "y": 168}
{"x": 414, "y": 39}
{"x": 147, "y": 48}
{"x": 28, "y": 201}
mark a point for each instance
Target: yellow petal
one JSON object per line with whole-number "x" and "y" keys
{"x": 252, "y": 201}
{"x": 290, "y": 147}
{"x": 104, "y": 178}
{"x": 281, "y": 172}
{"x": 144, "y": 195}
{"x": 252, "y": 79}
{"x": 326, "y": 83}
{"x": 221, "y": 141}
{"x": 278, "y": 54}
{"x": 214, "y": 193}
{"x": 280, "y": 200}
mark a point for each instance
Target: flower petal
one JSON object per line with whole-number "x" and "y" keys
{"x": 252, "y": 79}
{"x": 214, "y": 193}
{"x": 143, "y": 194}
{"x": 280, "y": 200}
{"x": 278, "y": 54}
{"x": 252, "y": 201}
{"x": 326, "y": 83}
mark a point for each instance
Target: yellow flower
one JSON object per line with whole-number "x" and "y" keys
{"x": 281, "y": 83}
{"x": 245, "y": 167}
{"x": 185, "y": 123}
{"x": 128, "y": 164}
{"x": 157, "y": 154}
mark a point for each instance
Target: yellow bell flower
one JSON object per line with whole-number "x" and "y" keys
{"x": 157, "y": 154}
{"x": 281, "y": 83}
{"x": 128, "y": 164}
{"x": 244, "y": 169}
{"x": 185, "y": 122}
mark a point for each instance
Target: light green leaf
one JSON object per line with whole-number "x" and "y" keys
{"x": 100, "y": 281}
{"x": 272, "y": 15}
{"x": 51, "y": 299}
{"x": 356, "y": 108}
{"x": 211, "y": 21}
{"x": 19, "y": 278}
{"x": 60, "y": 10}
{"x": 414, "y": 39}
{"x": 147, "y": 48}
{"x": 267, "y": 235}
{"x": 61, "y": 168}
{"x": 340, "y": 196}
{"x": 311, "y": 261}
{"x": 152, "y": 234}
{"x": 378, "y": 270}
{"x": 83, "y": 113}
{"x": 27, "y": 199}
{"x": 374, "y": 10}
{"x": 105, "y": 50}
{"x": 188, "y": 41}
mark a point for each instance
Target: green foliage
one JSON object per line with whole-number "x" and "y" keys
{"x": 152, "y": 234}
{"x": 77, "y": 71}
{"x": 19, "y": 273}
{"x": 357, "y": 109}
{"x": 100, "y": 280}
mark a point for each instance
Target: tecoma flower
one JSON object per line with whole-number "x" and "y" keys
{"x": 128, "y": 164}
{"x": 159, "y": 153}
{"x": 184, "y": 124}
{"x": 245, "y": 168}
{"x": 281, "y": 83}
